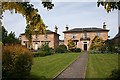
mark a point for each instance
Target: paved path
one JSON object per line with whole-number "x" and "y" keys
{"x": 77, "y": 69}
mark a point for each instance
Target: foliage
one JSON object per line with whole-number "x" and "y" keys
{"x": 97, "y": 44}
{"x": 77, "y": 50}
{"x": 115, "y": 75}
{"x": 109, "y": 5}
{"x": 9, "y": 38}
{"x": 71, "y": 45}
{"x": 4, "y": 33}
{"x": 0, "y": 33}
{"x": 109, "y": 47}
{"x": 16, "y": 61}
{"x": 61, "y": 49}
{"x": 48, "y": 4}
{"x": 45, "y": 49}
{"x": 33, "y": 19}
{"x": 39, "y": 54}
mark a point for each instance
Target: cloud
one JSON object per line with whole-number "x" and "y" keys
{"x": 74, "y": 14}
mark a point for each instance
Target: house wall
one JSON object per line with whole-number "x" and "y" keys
{"x": 52, "y": 38}
{"x": 23, "y": 39}
{"x": 78, "y": 35}
{"x": 56, "y": 41}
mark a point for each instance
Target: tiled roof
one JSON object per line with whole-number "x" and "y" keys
{"x": 85, "y": 30}
{"x": 47, "y": 31}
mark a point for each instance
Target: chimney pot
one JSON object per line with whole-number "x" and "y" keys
{"x": 56, "y": 29}
{"x": 104, "y": 25}
{"x": 67, "y": 27}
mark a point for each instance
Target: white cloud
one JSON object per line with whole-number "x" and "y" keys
{"x": 74, "y": 14}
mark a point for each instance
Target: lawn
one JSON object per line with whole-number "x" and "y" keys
{"x": 50, "y": 66}
{"x": 101, "y": 65}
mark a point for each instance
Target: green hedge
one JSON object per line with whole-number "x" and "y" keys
{"x": 16, "y": 62}
{"x": 61, "y": 49}
{"x": 43, "y": 51}
{"x": 77, "y": 50}
{"x": 41, "y": 54}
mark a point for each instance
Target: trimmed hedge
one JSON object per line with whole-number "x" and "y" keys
{"x": 61, "y": 49}
{"x": 77, "y": 50}
{"x": 16, "y": 62}
{"x": 43, "y": 51}
{"x": 41, "y": 54}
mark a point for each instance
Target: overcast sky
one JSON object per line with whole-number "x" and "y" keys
{"x": 73, "y": 14}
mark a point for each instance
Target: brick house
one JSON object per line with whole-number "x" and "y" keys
{"x": 84, "y": 36}
{"x": 51, "y": 38}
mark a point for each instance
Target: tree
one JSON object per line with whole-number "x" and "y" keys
{"x": 9, "y": 38}
{"x": 4, "y": 34}
{"x": 97, "y": 44}
{"x": 33, "y": 19}
{"x": 71, "y": 45}
{"x": 109, "y": 5}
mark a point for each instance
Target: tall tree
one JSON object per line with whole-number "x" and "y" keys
{"x": 4, "y": 34}
{"x": 8, "y": 38}
{"x": 33, "y": 19}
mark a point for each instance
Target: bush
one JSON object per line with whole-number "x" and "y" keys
{"x": 61, "y": 49}
{"x": 71, "y": 45}
{"x": 115, "y": 75}
{"x": 16, "y": 62}
{"x": 45, "y": 50}
{"x": 39, "y": 54}
{"x": 77, "y": 50}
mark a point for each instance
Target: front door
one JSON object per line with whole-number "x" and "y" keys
{"x": 85, "y": 47}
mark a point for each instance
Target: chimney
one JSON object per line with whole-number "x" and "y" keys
{"x": 104, "y": 25}
{"x": 56, "y": 29}
{"x": 67, "y": 27}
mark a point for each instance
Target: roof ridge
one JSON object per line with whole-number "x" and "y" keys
{"x": 88, "y": 29}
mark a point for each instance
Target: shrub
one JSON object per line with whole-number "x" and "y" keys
{"x": 77, "y": 50}
{"x": 16, "y": 62}
{"x": 61, "y": 49}
{"x": 97, "y": 43}
{"x": 45, "y": 50}
{"x": 39, "y": 54}
{"x": 115, "y": 75}
{"x": 71, "y": 45}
